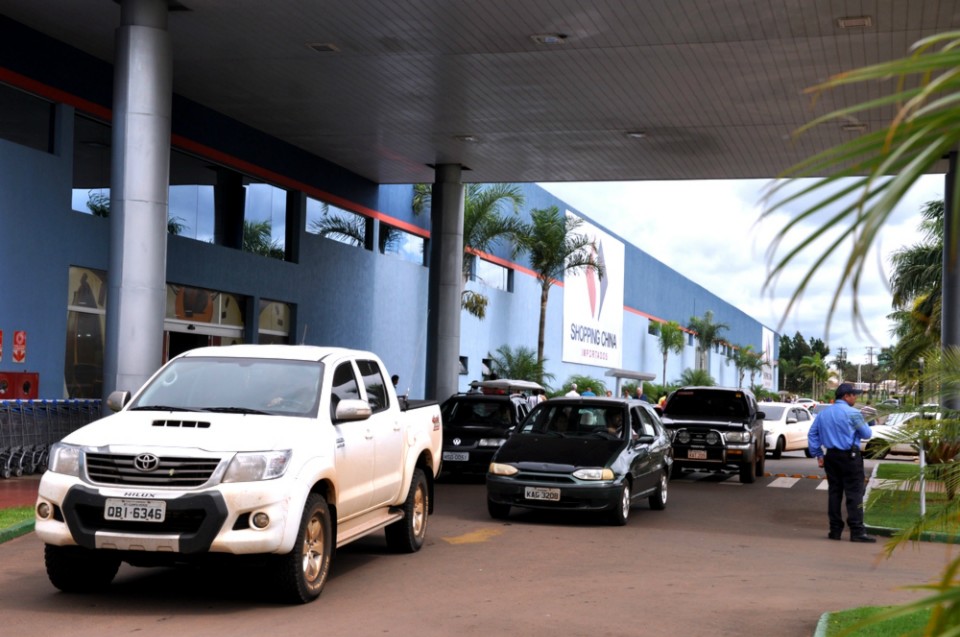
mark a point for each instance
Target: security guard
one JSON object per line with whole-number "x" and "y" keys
{"x": 840, "y": 428}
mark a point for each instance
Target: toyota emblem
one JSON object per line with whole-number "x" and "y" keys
{"x": 456, "y": 442}
{"x": 146, "y": 462}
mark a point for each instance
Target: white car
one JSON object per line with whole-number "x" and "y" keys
{"x": 809, "y": 403}
{"x": 891, "y": 429}
{"x": 785, "y": 427}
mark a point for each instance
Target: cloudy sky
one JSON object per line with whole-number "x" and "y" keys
{"x": 710, "y": 231}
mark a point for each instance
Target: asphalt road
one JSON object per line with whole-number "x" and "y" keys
{"x": 722, "y": 559}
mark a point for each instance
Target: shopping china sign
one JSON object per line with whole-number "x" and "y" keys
{"x": 593, "y": 306}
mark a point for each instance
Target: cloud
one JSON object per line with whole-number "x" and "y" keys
{"x": 712, "y": 233}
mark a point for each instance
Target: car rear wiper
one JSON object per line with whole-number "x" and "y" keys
{"x": 161, "y": 408}
{"x": 234, "y": 410}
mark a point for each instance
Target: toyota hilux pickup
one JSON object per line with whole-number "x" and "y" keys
{"x": 716, "y": 428}
{"x": 278, "y": 452}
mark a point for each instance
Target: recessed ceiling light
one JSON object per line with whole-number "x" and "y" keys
{"x": 470, "y": 139}
{"x": 324, "y": 47}
{"x": 855, "y": 22}
{"x": 637, "y": 134}
{"x": 549, "y": 38}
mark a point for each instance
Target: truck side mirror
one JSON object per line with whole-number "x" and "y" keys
{"x": 352, "y": 409}
{"x": 117, "y": 400}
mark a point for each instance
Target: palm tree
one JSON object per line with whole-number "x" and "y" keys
{"x": 815, "y": 368}
{"x": 707, "y": 333}
{"x": 484, "y": 225}
{"x": 518, "y": 364}
{"x": 556, "y": 249}
{"x": 696, "y": 378}
{"x": 670, "y": 338}
{"x": 745, "y": 359}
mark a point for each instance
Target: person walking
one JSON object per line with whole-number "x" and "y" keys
{"x": 573, "y": 391}
{"x": 839, "y": 429}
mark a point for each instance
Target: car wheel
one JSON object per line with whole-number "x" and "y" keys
{"x": 748, "y": 473}
{"x": 761, "y": 462}
{"x": 658, "y": 501}
{"x": 407, "y": 535}
{"x": 621, "y": 509}
{"x": 497, "y": 510}
{"x": 74, "y": 569}
{"x": 777, "y": 452}
{"x": 302, "y": 572}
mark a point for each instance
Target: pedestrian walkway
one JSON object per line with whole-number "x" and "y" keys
{"x": 16, "y": 492}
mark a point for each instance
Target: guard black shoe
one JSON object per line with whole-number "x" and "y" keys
{"x": 833, "y": 536}
{"x": 863, "y": 538}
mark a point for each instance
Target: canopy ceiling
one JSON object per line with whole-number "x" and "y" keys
{"x": 524, "y": 90}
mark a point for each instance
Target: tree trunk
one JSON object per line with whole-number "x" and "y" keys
{"x": 663, "y": 379}
{"x": 544, "y": 292}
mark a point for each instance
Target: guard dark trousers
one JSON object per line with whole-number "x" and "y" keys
{"x": 844, "y": 469}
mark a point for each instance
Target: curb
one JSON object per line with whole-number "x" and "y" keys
{"x": 16, "y": 530}
{"x": 822, "y": 625}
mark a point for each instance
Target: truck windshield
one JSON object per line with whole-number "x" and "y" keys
{"x": 237, "y": 385}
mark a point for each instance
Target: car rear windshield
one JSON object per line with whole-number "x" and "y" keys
{"x": 478, "y": 412}
{"x": 707, "y": 403}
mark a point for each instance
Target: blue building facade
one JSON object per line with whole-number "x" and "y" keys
{"x": 266, "y": 243}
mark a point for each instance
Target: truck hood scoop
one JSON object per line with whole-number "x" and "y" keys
{"x": 186, "y": 424}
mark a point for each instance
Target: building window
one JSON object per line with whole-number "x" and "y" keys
{"x": 653, "y": 328}
{"x": 274, "y": 322}
{"x": 86, "y": 330}
{"x": 493, "y": 275}
{"x": 403, "y": 244}
{"x": 27, "y": 119}
{"x": 264, "y": 219}
{"x": 91, "y": 167}
{"x": 486, "y": 369}
{"x": 191, "y": 197}
{"x": 327, "y": 220}
{"x": 464, "y": 365}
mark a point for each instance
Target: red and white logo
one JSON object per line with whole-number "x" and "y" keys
{"x": 19, "y": 346}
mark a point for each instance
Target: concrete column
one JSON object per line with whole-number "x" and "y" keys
{"x": 139, "y": 181}
{"x": 446, "y": 260}
{"x": 950, "y": 301}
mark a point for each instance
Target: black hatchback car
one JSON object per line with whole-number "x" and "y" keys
{"x": 577, "y": 454}
{"x": 474, "y": 427}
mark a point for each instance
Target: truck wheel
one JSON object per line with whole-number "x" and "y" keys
{"x": 74, "y": 569}
{"x": 761, "y": 462}
{"x": 748, "y": 473}
{"x": 303, "y": 571}
{"x": 778, "y": 450}
{"x": 621, "y": 510}
{"x": 658, "y": 501}
{"x": 497, "y": 510}
{"x": 407, "y": 535}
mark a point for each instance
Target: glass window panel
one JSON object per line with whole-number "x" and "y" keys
{"x": 86, "y": 327}
{"x": 26, "y": 119}
{"x": 375, "y": 384}
{"x": 264, "y": 219}
{"x": 401, "y": 243}
{"x": 91, "y": 167}
{"x": 327, "y": 220}
{"x": 274, "y": 322}
{"x": 492, "y": 275}
{"x": 198, "y": 305}
{"x": 191, "y": 197}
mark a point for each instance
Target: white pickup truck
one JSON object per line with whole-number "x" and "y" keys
{"x": 279, "y": 451}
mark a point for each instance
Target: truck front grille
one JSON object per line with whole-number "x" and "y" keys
{"x": 170, "y": 471}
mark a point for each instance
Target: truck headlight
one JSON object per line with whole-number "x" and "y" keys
{"x": 593, "y": 474}
{"x": 258, "y": 465}
{"x": 737, "y": 436}
{"x": 65, "y": 459}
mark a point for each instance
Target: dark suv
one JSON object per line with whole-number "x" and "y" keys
{"x": 474, "y": 427}
{"x": 716, "y": 427}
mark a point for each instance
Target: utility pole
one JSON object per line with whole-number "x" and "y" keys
{"x": 870, "y": 379}
{"x": 841, "y": 361}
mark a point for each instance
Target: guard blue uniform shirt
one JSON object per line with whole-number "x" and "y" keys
{"x": 839, "y": 426}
